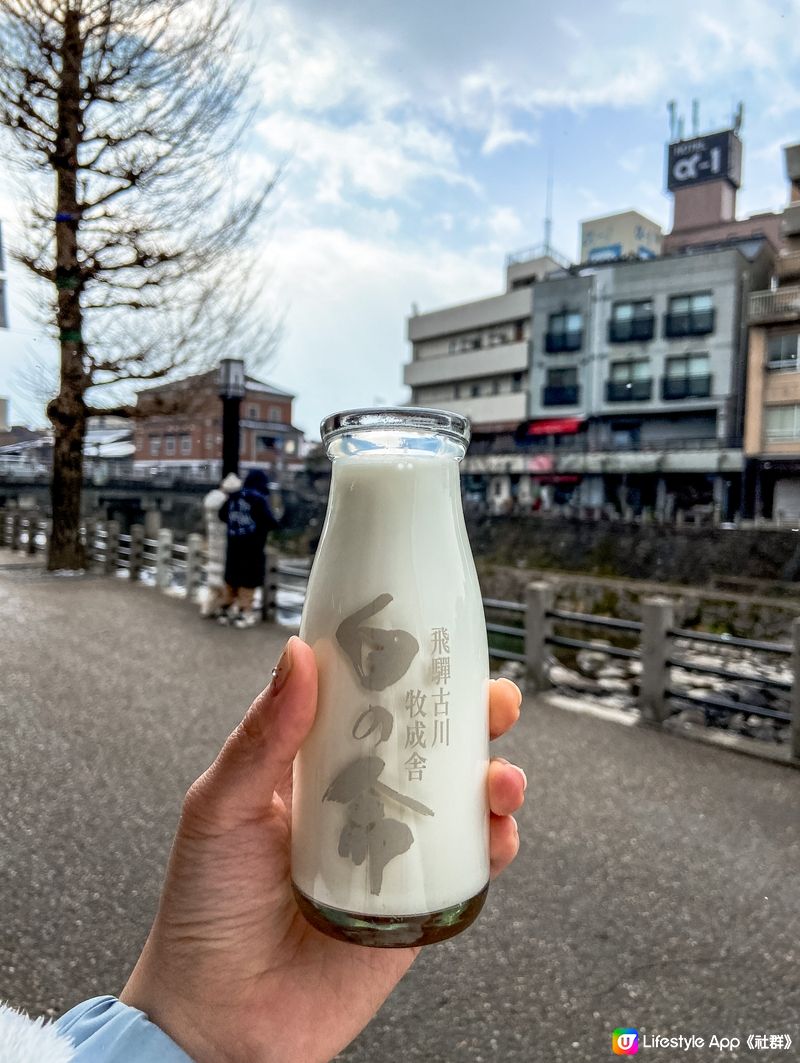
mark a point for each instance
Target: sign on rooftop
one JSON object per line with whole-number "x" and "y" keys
{"x": 715, "y": 157}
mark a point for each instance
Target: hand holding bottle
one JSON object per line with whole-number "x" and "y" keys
{"x": 231, "y": 970}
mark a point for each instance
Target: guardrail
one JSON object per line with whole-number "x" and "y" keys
{"x": 529, "y": 633}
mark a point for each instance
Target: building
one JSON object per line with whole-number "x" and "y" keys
{"x": 627, "y": 234}
{"x": 189, "y": 443}
{"x": 704, "y": 174}
{"x": 637, "y": 383}
{"x": 772, "y": 422}
{"x": 473, "y": 358}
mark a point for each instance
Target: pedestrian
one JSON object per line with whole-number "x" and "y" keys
{"x": 216, "y": 538}
{"x": 231, "y": 971}
{"x": 249, "y": 518}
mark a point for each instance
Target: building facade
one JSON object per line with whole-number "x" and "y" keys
{"x": 637, "y": 382}
{"x": 189, "y": 444}
{"x": 473, "y": 358}
{"x": 626, "y": 234}
{"x": 772, "y": 422}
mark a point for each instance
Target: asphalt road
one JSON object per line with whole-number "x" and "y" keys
{"x": 657, "y": 886}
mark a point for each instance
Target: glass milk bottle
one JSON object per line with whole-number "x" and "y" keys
{"x": 390, "y": 837}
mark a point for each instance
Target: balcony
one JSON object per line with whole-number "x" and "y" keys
{"x": 557, "y": 342}
{"x": 553, "y": 395}
{"x": 685, "y": 387}
{"x": 628, "y": 390}
{"x": 697, "y": 323}
{"x": 631, "y": 331}
{"x": 781, "y": 305}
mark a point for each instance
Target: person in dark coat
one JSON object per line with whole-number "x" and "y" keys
{"x": 249, "y": 518}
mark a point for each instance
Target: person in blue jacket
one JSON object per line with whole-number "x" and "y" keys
{"x": 249, "y": 518}
{"x": 231, "y": 972}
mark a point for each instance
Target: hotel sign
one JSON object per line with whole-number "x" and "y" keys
{"x": 715, "y": 157}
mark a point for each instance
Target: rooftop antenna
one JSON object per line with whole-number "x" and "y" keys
{"x": 673, "y": 122}
{"x": 738, "y": 117}
{"x": 548, "y": 206}
{"x": 680, "y": 128}
{"x": 695, "y": 117}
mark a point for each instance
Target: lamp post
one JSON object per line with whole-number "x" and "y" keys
{"x": 231, "y": 388}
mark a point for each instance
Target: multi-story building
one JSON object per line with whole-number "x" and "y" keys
{"x": 637, "y": 381}
{"x": 473, "y": 358}
{"x": 772, "y": 421}
{"x": 189, "y": 443}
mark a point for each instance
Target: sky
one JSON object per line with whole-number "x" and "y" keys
{"x": 415, "y": 141}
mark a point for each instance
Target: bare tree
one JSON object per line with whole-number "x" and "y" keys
{"x": 128, "y": 114}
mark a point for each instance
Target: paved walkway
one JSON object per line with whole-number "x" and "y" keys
{"x": 657, "y": 885}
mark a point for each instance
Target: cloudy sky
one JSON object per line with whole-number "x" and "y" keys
{"x": 416, "y": 139}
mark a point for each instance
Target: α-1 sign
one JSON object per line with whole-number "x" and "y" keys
{"x": 710, "y": 158}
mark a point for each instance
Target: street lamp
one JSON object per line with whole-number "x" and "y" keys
{"x": 231, "y": 388}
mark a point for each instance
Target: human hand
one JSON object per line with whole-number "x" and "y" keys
{"x": 231, "y": 970}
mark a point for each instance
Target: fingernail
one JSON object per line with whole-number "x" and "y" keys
{"x": 517, "y": 691}
{"x": 524, "y": 778}
{"x": 280, "y": 673}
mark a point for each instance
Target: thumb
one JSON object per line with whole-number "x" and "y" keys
{"x": 240, "y": 784}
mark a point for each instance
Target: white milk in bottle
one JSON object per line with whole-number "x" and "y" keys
{"x": 390, "y": 817}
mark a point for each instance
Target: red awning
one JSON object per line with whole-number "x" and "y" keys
{"x": 555, "y": 426}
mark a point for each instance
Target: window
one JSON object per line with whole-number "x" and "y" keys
{"x": 686, "y": 377}
{"x": 253, "y": 412}
{"x": 169, "y": 445}
{"x": 561, "y": 388}
{"x": 562, "y": 378}
{"x": 275, "y": 413}
{"x": 516, "y": 382}
{"x": 629, "y": 381}
{"x": 690, "y": 315}
{"x": 688, "y": 365}
{"x": 782, "y": 351}
{"x": 564, "y": 332}
{"x": 782, "y": 423}
{"x": 474, "y": 390}
{"x": 625, "y": 372}
{"x": 186, "y": 444}
{"x": 155, "y": 446}
{"x": 266, "y": 443}
{"x": 631, "y": 321}
{"x": 209, "y": 442}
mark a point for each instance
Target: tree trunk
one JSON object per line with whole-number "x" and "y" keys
{"x": 67, "y": 411}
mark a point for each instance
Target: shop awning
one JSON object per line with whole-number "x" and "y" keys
{"x": 554, "y": 426}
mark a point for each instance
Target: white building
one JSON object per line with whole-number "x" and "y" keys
{"x": 473, "y": 358}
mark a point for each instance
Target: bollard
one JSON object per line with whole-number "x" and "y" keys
{"x": 269, "y": 601}
{"x": 137, "y": 552}
{"x": 89, "y": 528}
{"x": 538, "y": 628}
{"x": 794, "y": 726}
{"x": 194, "y": 545}
{"x": 164, "y": 559}
{"x": 658, "y": 616}
{"x": 33, "y": 525}
{"x": 16, "y": 532}
{"x": 112, "y": 547}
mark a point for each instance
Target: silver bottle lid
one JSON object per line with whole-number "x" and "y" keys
{"x": 396, "y": 419}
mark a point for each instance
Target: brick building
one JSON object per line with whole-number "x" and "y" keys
{"x": 189, "y": 443}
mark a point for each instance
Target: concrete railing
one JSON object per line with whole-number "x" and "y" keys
{"x": 530, "y": 634}
{"x": 663, "y": 652}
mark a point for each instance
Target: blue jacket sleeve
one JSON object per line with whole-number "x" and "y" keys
{"x": 104, "y": 1030}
